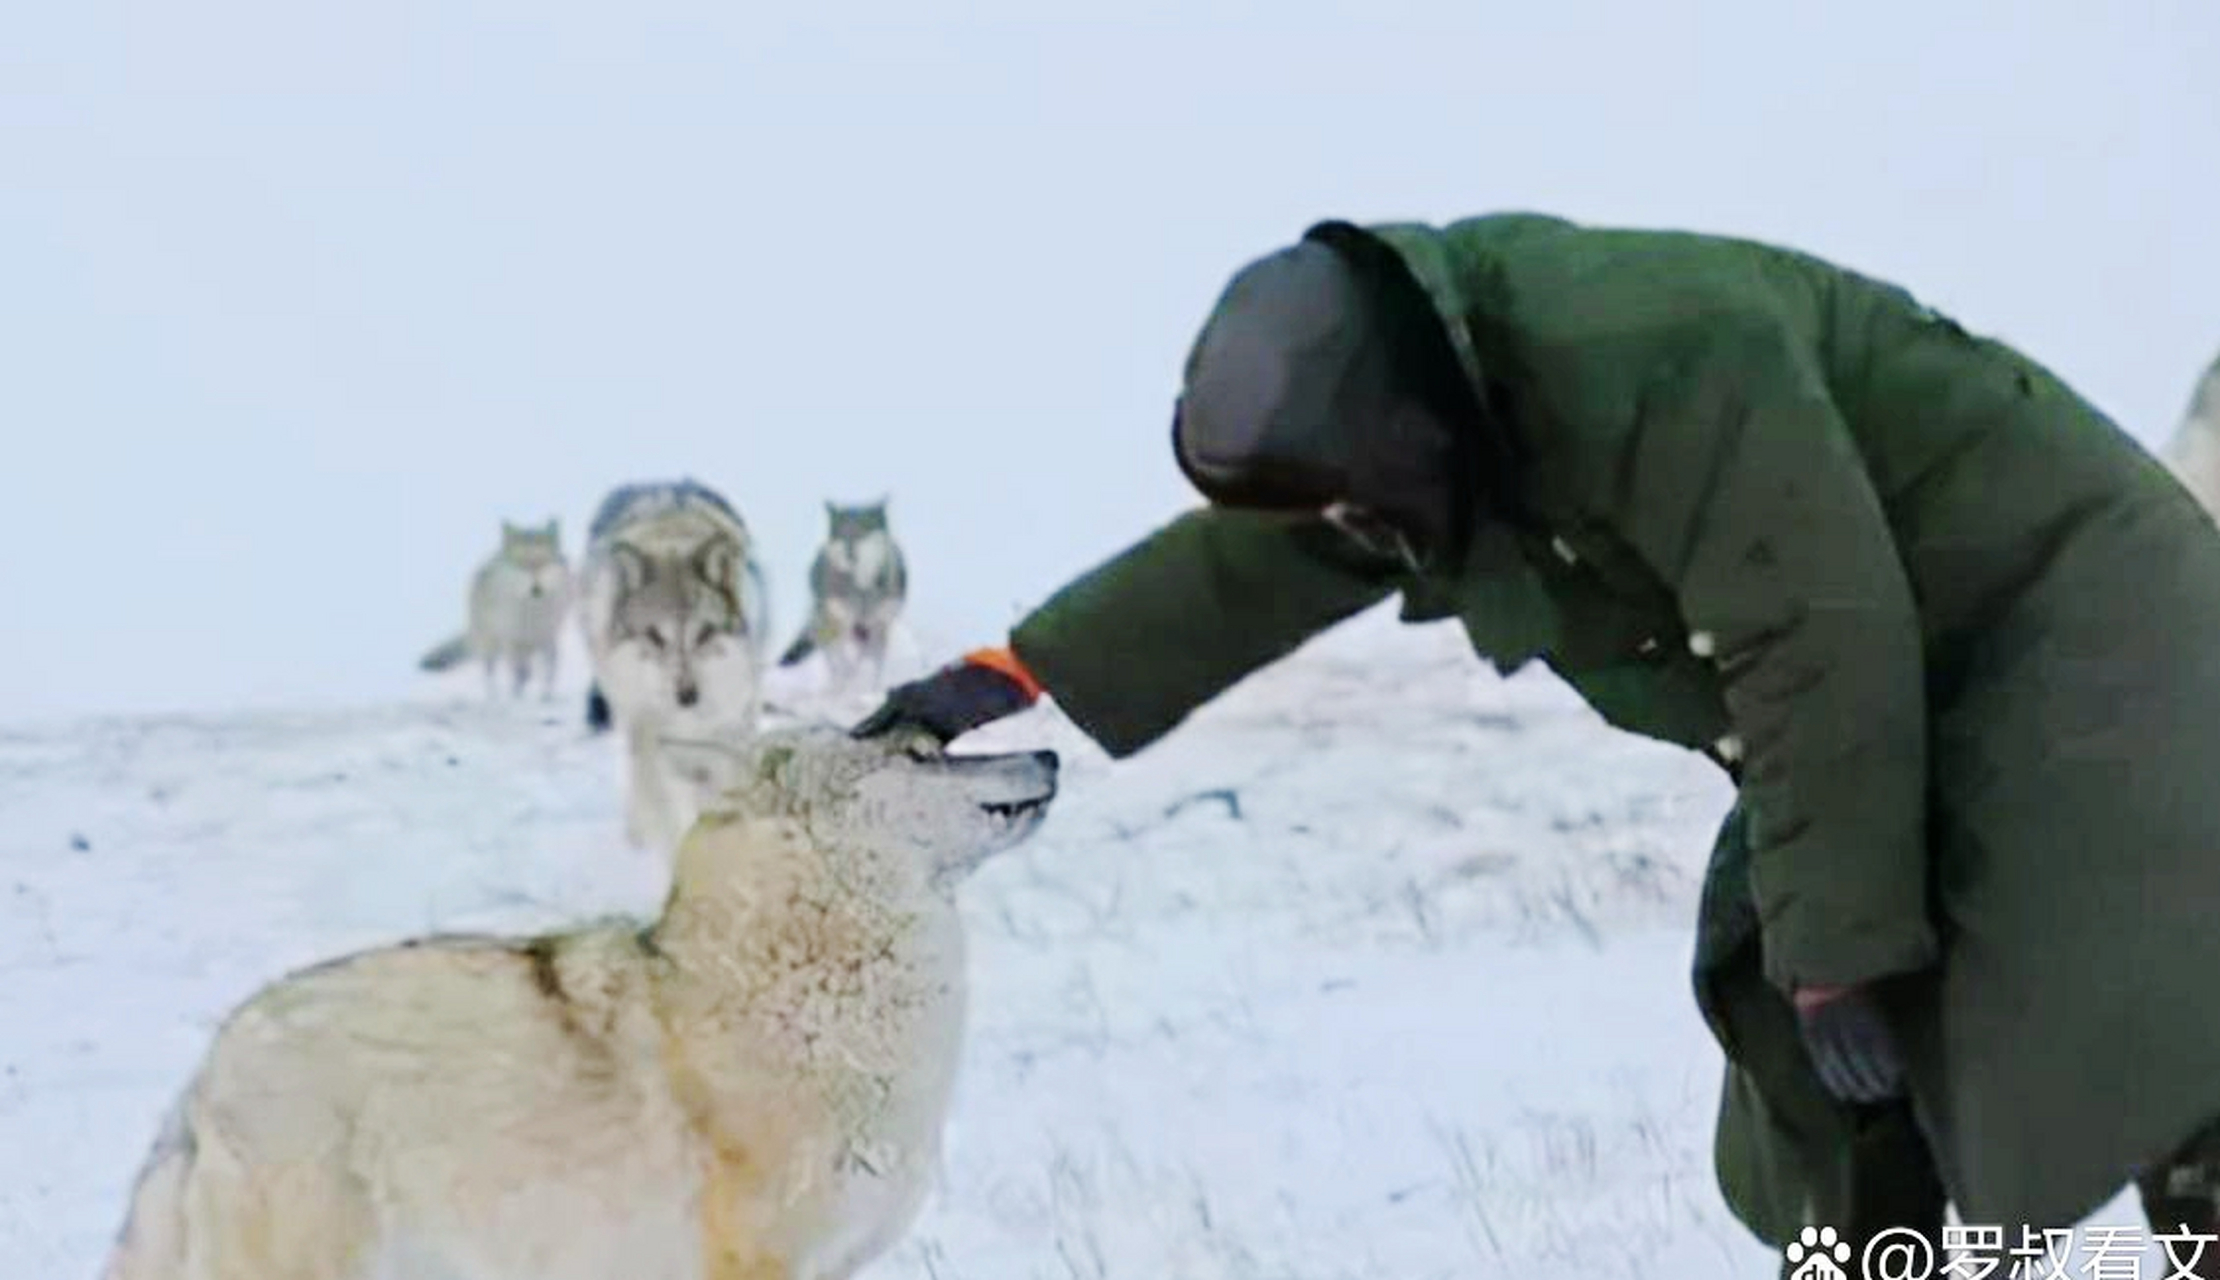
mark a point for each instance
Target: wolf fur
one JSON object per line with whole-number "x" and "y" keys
{"x": 675, "y": 616}
{"x": 518, "y": 599}
{"x": 751, "y": 1087}
{"x": 858, "y": 585}
{"x": 2193, "y": 454}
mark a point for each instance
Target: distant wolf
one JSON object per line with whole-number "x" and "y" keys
{"x": 518, "y": 598}
{"x": 751, "y": 1087}
{"x": 858, "y": 585}
{"x": 675, "y": 614}
{"x": 2193, "y": 454}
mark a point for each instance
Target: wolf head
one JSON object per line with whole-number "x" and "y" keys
{"x": 851, "y": 524}
{"x": 532, "y": 543}
{"x": 680, "y": 611}
{"x": 940, "y": 813}
{"x": 857, "y": 539}
{"x": 538, "y": 551}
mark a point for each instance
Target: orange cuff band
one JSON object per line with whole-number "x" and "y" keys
{"x": 1006, "y": 662}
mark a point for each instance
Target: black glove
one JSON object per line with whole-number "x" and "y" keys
{"x": 954, "y": 700}
{"x": 1852, "y": 1048}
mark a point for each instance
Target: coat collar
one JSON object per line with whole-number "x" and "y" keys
{"x": 1498, "y": 594}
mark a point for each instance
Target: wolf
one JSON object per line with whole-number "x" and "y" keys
{"x": 858, "y": 585}
{"x": 752, "y": 1086}
{"x": 675, "y": 612}
{"x": 518, "y": 599}
{"x": 2193, "y": 454}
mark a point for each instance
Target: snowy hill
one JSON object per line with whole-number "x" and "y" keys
{"x": 1375, "y": 969}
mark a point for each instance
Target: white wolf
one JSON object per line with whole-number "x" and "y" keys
{"x": 858, "y": 584}
{"x": 675, "y": 615}
{"x": 2194, "y": 452}
{"x": 518, "y": 598}
{"x": 751, "y": 1087}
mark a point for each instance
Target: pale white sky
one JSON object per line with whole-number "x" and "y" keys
{"x": 297, "y": 301}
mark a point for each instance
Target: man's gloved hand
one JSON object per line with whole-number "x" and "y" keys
{"x": 1850, "y": 1043}
{"x": 983, "y": 686}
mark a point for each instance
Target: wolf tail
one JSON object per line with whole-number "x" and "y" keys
{"x": 804, "y": 645}
{"x": 448, "y": 654}
{"x": 151, "y": 1245}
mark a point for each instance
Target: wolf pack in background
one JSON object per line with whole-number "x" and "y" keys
{"x": 671, "y": 599}
{"x": 858, "y": 584}
{"x": 518, "y": 600}
{"x": 753, "y": 1085}
{"x": 675, "y": 612}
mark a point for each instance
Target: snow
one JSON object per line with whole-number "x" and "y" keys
{"x": 1375, "y": 968}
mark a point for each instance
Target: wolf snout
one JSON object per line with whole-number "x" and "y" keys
{"x": 1036, "y": 779}
{"x": 689, "y": 693}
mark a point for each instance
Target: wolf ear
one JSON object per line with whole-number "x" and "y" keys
{"x": 634, "y": 568}
{"x": 716, "y": 560}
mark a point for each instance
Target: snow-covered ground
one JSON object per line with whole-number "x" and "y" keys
{"x": 1377, "y": 968}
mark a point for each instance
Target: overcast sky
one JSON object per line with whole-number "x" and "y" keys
{"x": 298, "y": 301}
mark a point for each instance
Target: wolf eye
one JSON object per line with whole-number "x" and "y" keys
{"x": 708, "y": 633}
{"x": 655, "y": 636}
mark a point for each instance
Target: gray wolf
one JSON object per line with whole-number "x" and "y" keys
{"x": 750, "y": 1087}
{"x": 676, "y": 615}
{"x": 858, "y": 584}
{"x": 2193, "y": 452}
{"x": 518, "y": 599}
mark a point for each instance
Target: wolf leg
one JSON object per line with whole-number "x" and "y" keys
{"x": 804, "y": 645}
{"x": 754, "y": 1267}
{"x": 840, "y": 663}
{"x": 874, "y": 646}
{"x": 731, "y": 1248}
{"x": 152, "y": 1241}
{"x": 267, "y": 1221}
{"x": 640, "y": 784}
{"x": 863, "y": 1253}
{"x": 651, "y": 818}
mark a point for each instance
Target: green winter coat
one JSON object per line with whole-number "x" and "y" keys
{"x": 1962, "y": 633}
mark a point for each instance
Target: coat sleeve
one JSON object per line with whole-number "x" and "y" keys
{"x": 1742, "y": 485}
{"x": 1133, "y": 646}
